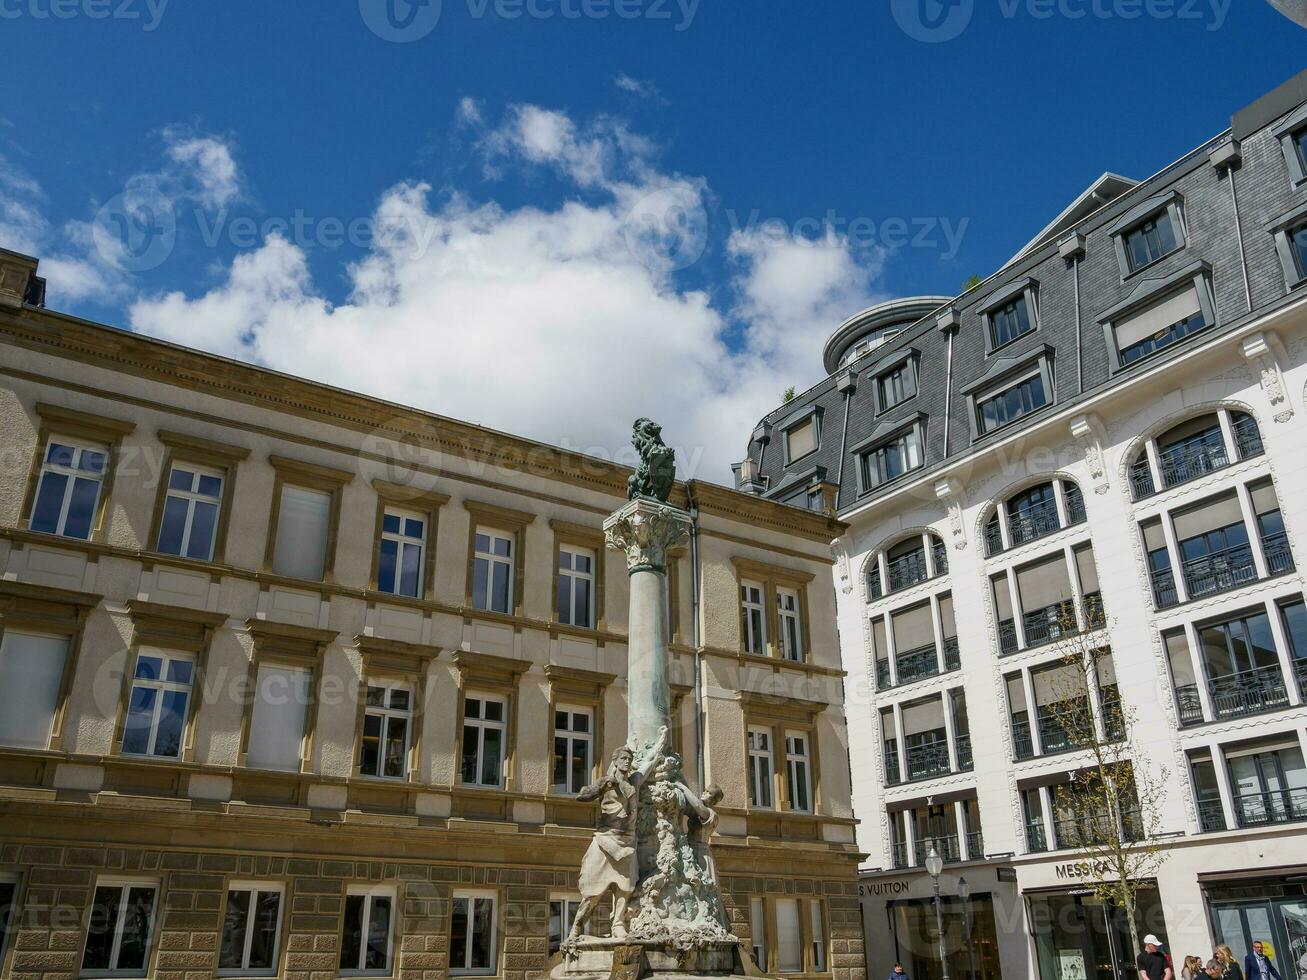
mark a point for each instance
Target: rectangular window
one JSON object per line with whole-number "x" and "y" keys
{"x": 281, "y": 701}
{"x": 367, "y": 943}
{"x": 1159, "y": 326}
{"x": 399, "y": 565}
{"x": 120, "y": 929}
{"x": 472, "y": 934}
{"x": 799, "y": 772}
{"x": 891, "y": 460}
{"x": 1300, "y": 146}
{"x": 573, "y": 747}
{"x": 760, "y": 769}
{"x": 1149, "y": 241}
{"x": 1012, "y": 403}
{"x": 817, "y": 935}
{"x": 303, "y": 521}
{"x": 896, "y": 386}
{"x": 758, "y": 929}
{"x": 492, "y": 572}
{"x": 251, "y": 931}
{"x": 787, "y": 608}
{"x": 8, "y": 909}
{"x": 801, "y": 439}
{"x": 387, "y": 718}
{"x": 755, "y": 618}
{"x": 68, "y": 494}
{"x": 789, "y": 936}
{"x": 156, "y": 711}
{"x": 483, "y": 741}
{"x": 31, "y": 678}
{"x": 1298, "y": 248}
{"x": 189, "y": 524}
{"x": 576, "y": 579}
{"x": 562, "y": 913}
{"x": 1009, "y": 322}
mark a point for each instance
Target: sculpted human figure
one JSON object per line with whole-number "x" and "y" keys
{"x": 610, "y": 861}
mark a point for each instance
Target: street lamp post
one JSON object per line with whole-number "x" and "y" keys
{"x": 935, "y": 865}
{"x": 964, "y": 893}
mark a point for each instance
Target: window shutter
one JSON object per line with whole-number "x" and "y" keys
{"x": 302, "y": 521}
{"x": 31, "y": 674}
{"x": 277, "y": 728}
{"x": 1157, "y": 317}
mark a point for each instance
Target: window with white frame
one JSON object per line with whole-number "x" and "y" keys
{"x": 573, "y": 748}
{"x": 32, "y": 669}
{"x": 368, "y": 940}
{"x": 399, "y": 564}
{"x": 251, "y": 930}
{"x": 892, "y": 458}
{"x": 189, "y": 523}
{"x": 1010, "y": 403}
{"x": 484, "y": 725}
{"x": 157, "y": 707}
{"x": 281, "y": 699}
{"x": 562, "y": 914}
{"x": 755, "y": 618}
{"x": 120, "y": 928}
{"x": 472, "y": 929}
{"x": 576, "y": 586}
{"x": 303, "y": 525}
{"x": 789, "y": 936}
{"x": 761, "y": 769}
{"x": 492, "y": 571}
{"x": 787, "y": 608}
{"x": 758, "y": 930}
{"x": 68, "y": 494}
{"x": 8, "y": 909}
{"x": 801, "y": 439}
{"x": 798, "y": 771}
{"x": 817, "y": 935}
{"x": 387, "y": 720}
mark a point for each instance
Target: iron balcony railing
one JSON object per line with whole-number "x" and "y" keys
{"x": 1036, "y": 838}
{"x": 1165, "y": 594}
{"x": 1300, "y": 671}
{"x": 1141, "y": 479}
{"x": 914, "y": 665}
{"x": 947, "y": 846}
{"x": 1055, "y": 736}
{"x": 1191, "y": 460}
{"x": 1023, "y": 744}
{"x": 899, "y": 854}
{"x": 1273, "y": 806}
{"x": 1211, "y": 816}
{"x": 993, "y": 538}
{"x": 1220, "y": 571}
{"x": 873, "y": 584}
{"x": 928, "y": 760}
{"x": 907, "y": 570}
{"x": 939, "y": 553}
{"x": 883, "y": 679}
{"x": 1095, "y": 829}
{"x": 1279, "y": 559}
{"x": 1095, "y": 614}
{"x": 1007, "y": 636}
{"x": 1037, "y": 521}
{"x": 1113, "y": 719}
{"x": 1075, "y": 509}
{"x": 1247, "y": 437}
{"x": 975, "y": 845}
{"x": 1249, "y": 692}
{"x": 1050, "y": 624}
{"x": 952, "y": 655}
{"x": 965, "y": 761}
{"x": 892, "y": 774}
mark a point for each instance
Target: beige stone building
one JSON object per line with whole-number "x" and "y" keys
{"x": 300, "y": 683}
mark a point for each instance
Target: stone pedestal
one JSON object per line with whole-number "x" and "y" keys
{"x": 632, "y": 959}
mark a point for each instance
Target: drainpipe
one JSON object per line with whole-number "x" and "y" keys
{"x": 1228, "y": 157}
{"x": 1072, "y": 250}
{"x": 696, "y": 634}
{"x": 846, "y": 385}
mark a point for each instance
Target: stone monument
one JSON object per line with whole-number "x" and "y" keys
{"x": 650, "y": 850}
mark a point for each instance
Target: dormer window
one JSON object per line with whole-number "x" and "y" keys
{"x": 802, "y": 437}
{"x": 896, "y": 385}
{"x": 1015, "y": 400}
{"x": 900, "y": 454}
{"x": 1148, "y": 233}
{"x": 1290, "y": 233}
{"x": 1292, "y": 134}
{"x": 1158, "y": 314}
{"x": 1009, "y": 322}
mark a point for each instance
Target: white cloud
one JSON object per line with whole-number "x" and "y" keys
{"x": 203, "y": 168}
{"x": 640, "y": 88}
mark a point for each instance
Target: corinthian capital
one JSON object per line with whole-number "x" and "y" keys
{"x": 645, "y": 529}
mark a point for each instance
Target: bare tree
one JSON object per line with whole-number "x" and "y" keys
{"x": 1113, "y": 809}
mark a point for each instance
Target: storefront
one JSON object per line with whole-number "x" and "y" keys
{"x": 1079, "y": 937}
{"x": 1272, "y": 910}
{"x": 970, "y": 937}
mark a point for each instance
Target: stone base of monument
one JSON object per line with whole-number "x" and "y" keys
{"x": 634, "y": 959}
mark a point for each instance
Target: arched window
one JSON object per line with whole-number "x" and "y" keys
{"x": 910, "y": 560}
{"x": 1033, "y": 513}
{"x": 1192, "y": 449}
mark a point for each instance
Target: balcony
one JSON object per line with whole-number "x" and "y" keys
{"x": 939, "y": 553}
{"x": 1247, "y": 437}
{"x": 1164, "y": 591}
{"x": 952, "y": 655}
{"x": 975, "y": 845}
{"x": 1211, "y": 817}
{"x": 1272, "y": 807}
{"x": 947, "y": 846}
{"x": 1007, "y": 636}
{"x": 965, "y": 761}
{"x": 1193, "y": 459}
{"x": 1220, "y": 571}
{"x": 1036, "y": 839}
{"x": 1033, "y": 523}
{"x": 883, "y": 680}
{"x": 1300, "y": 671}
{"x": 892, "y": 774}
{"x": 1023, "y": 743}
{"x": 1050, "y": 624}
{"x": 915, "y": 665}
{"x": 928, "y": 760}
{"x": 1249, "y": 692}
{"x": 899, "y": 855}
{"x": 907, "y": 570}
{"x": 1095, "y": 830}
{"x": 1279, "y": 559}
{"x": 1056, "y": 738}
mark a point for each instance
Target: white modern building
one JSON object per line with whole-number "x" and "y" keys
{"x": 1106, "y": 439}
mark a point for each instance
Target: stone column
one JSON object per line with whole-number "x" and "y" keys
{"x": 645, "y": 529}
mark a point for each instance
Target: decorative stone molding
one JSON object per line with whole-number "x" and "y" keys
{"x": 645, "y": 530}
{"x": 1265, "y": 352}
{"x": 840, "y": 553}
{"x": 950, "y": 492}
{"x": 1089, "y": 432}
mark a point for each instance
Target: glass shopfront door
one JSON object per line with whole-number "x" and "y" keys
{"x": 1078, "y": 937}
{"x": 970, "y": 938}
{"x": 1280, "y": 925}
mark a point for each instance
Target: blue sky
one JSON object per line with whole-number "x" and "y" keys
{"x": 550, "y": 216}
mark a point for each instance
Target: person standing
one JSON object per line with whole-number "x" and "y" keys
{"x": 898, "y": 973}
{"x": 1192, "y": 969}
{"x": 1258, "y": 966}
{"x": 1229, "y": 965}
{"x": 1152, "y": 963}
